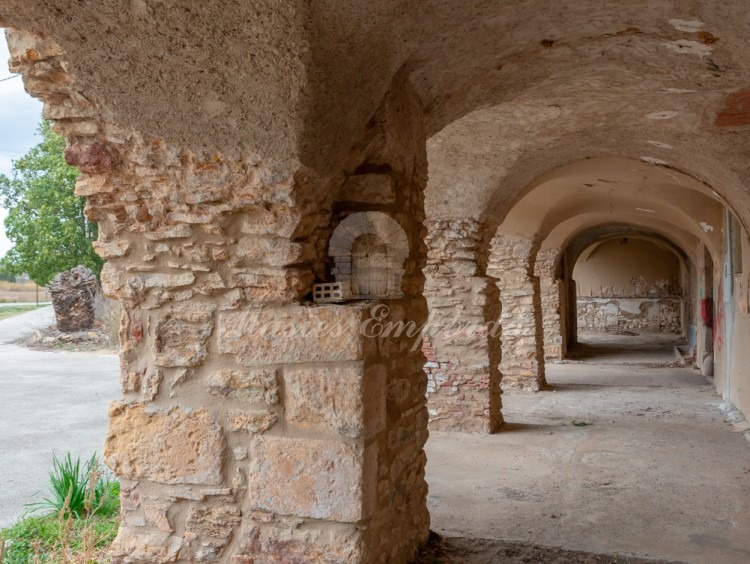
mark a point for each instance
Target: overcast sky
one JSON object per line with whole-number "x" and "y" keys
{"x": 19, "y": 118}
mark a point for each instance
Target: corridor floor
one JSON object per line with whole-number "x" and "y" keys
{"x": 656, "y": 473}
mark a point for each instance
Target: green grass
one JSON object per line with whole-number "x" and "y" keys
{"x": 79, "y": 489}
{"x": 46, "y": 538}
{"x": 81, "y": 519}
{"x": 11, "y": 310}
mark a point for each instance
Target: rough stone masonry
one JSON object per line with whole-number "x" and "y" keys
{"x": 234, "y": 442}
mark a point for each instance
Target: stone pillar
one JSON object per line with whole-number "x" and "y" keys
{"x": 512, "y": 264}
{"x": 462, "y": 344}
{"x": 550, "y": 288}
{"x": 254, "y": 426}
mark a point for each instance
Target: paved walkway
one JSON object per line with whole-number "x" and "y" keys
{"x": 49, "y": 401}
{"x": 657, "y": 473}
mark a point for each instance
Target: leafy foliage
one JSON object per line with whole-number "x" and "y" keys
{"x": 46, "y": 221}
{"x": 79, "y": 490}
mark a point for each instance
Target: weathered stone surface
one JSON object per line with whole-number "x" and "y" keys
{"x": 251, "y": 421}
{"x": 192, "y": 233}
{"x": 462, "y": 344}
{"x": 132, "y": 546}
{"x": 145, "y": 382}
{"x": 169, "y": 447}
{"x": 181, "y": 338}
{"x": 333, "y": 480}
{"x": 369, "y": 188}
{"x": 269, "y": 251}
{"x": 649, "y": 315}
{"x": 292, "y": 334}
{"x": 73, "y": 293}
{"x": 551, "y": 288}
{"x": 156, "y": 515}
{"x": 340, "y": 399}
{"x": 253, "y": 386}
{"x": 90, "y": 158}
{"x": 267, "y": 540}
{"x": 212, "y": 522}
{"x": 178, "y": 231}
{"x": 512, "y": 263}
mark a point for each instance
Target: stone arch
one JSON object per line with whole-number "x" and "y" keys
{"x": 368, "y": 250}
{"x": 558, "y": 292}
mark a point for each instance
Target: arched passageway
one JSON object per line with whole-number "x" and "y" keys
{"x": 218, "y": 165}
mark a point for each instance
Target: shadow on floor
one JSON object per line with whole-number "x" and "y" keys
{"x": 452, "y": 550}
{"x": 648, "y": 349}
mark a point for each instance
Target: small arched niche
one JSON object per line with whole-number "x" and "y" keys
{"x": 368, "y": 250}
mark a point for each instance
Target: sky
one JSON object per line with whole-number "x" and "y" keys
{"x": 19, "y": 118}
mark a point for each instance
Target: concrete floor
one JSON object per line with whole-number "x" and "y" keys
{"x": 657, "y": 474}
{"x": 49, "y": 401}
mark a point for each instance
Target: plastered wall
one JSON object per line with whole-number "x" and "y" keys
{"x": 627, "y": 268}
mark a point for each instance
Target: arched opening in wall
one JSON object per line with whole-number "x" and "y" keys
{"x": 366, "y": 252}
{"x": 631, "y": 294}
{"x": 619, "y": 250}
{"x": 370, "y": 266}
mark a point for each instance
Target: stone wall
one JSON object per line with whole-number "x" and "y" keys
{"x": 462, "y": 345}
{"x": 511, "y": 262}
{"x": 254, "y": 426}
{"x": 638, "y": 315}
{"x": 551, "y": 288}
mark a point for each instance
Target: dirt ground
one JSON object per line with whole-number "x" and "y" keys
{"x": 98, "y": 338}
{"x": 657, "y": 473}
{"x": 451, "y": 550}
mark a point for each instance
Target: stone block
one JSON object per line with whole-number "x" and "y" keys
{"x": 277, "y": 220}
{"x": 266, "y": 541}
{"x": 349, "y": 399}
{"x": 269, "y": 251}
{"x": 169, "y": 447}
{"x": 136, "y": 546}
{"x": 313, "y": 478}
{"x": 181, "y": 339}
{"x": 212, "y": 522}
{"x": 252, "y": 386}
{"x": 251, "y": 421}
{"x": 293, "y": 334}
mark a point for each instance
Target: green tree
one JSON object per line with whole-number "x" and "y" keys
{"x": 45, "y": 222}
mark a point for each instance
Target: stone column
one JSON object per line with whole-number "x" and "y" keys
{"x": 512, "y": 264}
{"x": 462, "y": 349}
{"x": 254, "y": 426}
{"x": 550, "y": 288}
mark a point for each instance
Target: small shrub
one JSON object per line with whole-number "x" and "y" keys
{"x": 79, "y": 490}
{"x": 83, "y": 523}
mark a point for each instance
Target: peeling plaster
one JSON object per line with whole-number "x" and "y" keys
{"x": 646, "y": 210}
{"x": 660, "y": 145}
{"x": 705, "y": 226}
{"x": 689, "y": 26}
{"x": 654, "y": 161}
{"x": 689, "y": 47}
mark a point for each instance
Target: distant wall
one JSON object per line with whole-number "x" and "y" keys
{"x": 629, "y": 285}
{"x": 638, "y": 315}
{"x": 627, "y": 267}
